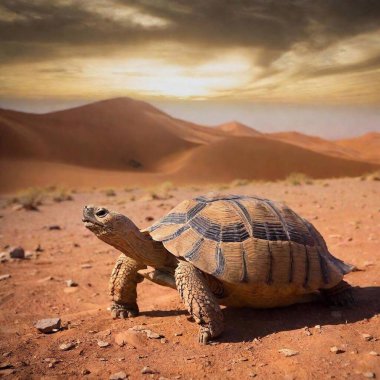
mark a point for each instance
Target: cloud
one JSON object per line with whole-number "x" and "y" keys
{"x": 284, "y": 42}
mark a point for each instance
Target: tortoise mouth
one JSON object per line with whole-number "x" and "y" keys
{"x": 89, "y": 222}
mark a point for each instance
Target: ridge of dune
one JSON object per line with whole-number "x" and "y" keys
{"x": 366, "y": 146}
{"x": 235, "y": 128}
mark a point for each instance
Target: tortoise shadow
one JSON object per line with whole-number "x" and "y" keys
{"x": 163, "y": 313}
{"x": 248, "y": 324}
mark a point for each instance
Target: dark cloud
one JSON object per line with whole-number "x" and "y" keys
{"x": 269, "y": 27}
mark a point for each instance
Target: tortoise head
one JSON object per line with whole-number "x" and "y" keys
{"x": 109, "y": 226}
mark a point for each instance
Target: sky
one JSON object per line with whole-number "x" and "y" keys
{"x": 203, "y": 60}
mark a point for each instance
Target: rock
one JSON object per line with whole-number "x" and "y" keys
{"x": 86, "y": 266}
{"x": 374, "y": 353}
{"x": 39, "y": 248}
{"x": 67, "y": 346}
{"x": 336, "y": 350}
{"x": 85, "y": 372}
{"x": 369, "y": 375}
{"x": 118, "y": 376}
{"x": 367, "y": 337}
{"x": 103, "y": 344}
{"x": 152, "y": 335}
{"x": 138, "y": 328}
{"x": 288, "y": 352}
{"x": 149, "y": 218}
{"x": 178, "y": 334}
{"x": 17, "y": 253}
{"x": 71, "y": 283}
{"x": 147, "y": 370}
{"x": 54, "y": 227}
{"x": 130, "y": 337}
{"x": 5, "y": 277}
{"x": 48, "y": 325}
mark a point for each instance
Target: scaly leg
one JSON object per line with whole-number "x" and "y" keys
{"x": 339, "y": 295}
{"x": 199, "y": 300}
{"x": 122, "y": 287}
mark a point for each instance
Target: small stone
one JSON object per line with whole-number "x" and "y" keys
{"x": 336, "y": 350}
{"x": 288, "y": 352}
{"x": 152, "y": 335}
{"x": 85, "y": 372}
{"x": 252, "y": 374}
{"x": 318, "y": 327}
{"x": 39, "y": 248}
{"x": 54, "y": 227}
{"x": 147, "y": 371}
{"x": 103, "y": 359}
{"x": 71, "y": 283}
{"x": 67, "y": 346}
{"x": 86, "y": 266}
{"x": 48, "y": 325}
{"x": 178, "y": 334}
{"x": 5, "y": 277}
{"x": 133, "y": 338}
{"x": 17, "y": 253}
{"x": 118, "y": 376}
{"x": 367, "y": 337}
{"x": 374, "y": 353}
{"x": 7, "y": 354}
{"x": 369, "y": 375}
{"x": 163, "y": 340}
{"x": 138, "y": 328}
{"x": 103, "y": 344}
{"x": 149, "y": 218}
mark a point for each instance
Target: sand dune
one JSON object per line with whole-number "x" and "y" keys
{"x": 263, "y": 158}
{"x": 121, "y": 141}
{"x": 366, "y": 147}
{"x": 234, "y": 128}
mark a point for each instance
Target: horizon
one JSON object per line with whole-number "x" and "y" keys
{"x": 333, "y": 122}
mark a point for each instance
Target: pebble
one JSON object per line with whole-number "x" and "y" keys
{"x": 71, "y": 283}
{"x": 149, "y": 218}
{"x": 5, "y": 277}
{"x": 367, "y": 337}
{"x": 48, "y": 325}
{"x": 103, "y": 344}
{"x": 118, "y": 376}
{"x": 147, "y": 370}
{"x": 54, "y": 227}
{"x": 86, "y": 266}
{"x": 369, "y": 375}
{"x": 133, "y": 338}
{"x": 336, "y": 350}
{"x": 288, "y": 352}
{"x": 85, "y": 372}
{"x": 152, "y": 335}
{"x": 67, "y": 346}
{"x": 17, "y": 253}
{"x": 374, "y": 353}
{"x": 178, "y": 334}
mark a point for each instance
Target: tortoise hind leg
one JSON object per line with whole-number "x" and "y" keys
{"x": 339, "y": 295}
{"x": 199, "y": 300}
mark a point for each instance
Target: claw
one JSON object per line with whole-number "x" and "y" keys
{"x": 204, "y": 335}
{"x": 124, "y": 311}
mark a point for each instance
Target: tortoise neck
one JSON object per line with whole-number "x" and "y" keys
{"x": 142, "y": 248}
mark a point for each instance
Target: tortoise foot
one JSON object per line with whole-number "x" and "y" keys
{"x": 124, "y": 311}
{"x": 204, "y": 335}
{"x": 340, "y": 295}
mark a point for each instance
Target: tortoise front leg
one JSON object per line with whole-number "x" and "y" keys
{"x": 122, "y": 287}
{"x": 199, "y": 300}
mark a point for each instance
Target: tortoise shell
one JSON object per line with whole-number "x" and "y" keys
{"x": 247, "y": 239}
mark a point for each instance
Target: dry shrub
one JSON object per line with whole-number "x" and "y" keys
{"x": 29, "y": 199}
{"x": 240, "y": 182}
{"x": 297, "y": 179}
{"x": 62, "y": 195}
{"x": 110, "y": 193}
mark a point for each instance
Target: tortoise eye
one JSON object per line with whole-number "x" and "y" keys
{"x": 101, "y": 213}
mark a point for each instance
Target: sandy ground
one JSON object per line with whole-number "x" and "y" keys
{"x": 346, "y": 211}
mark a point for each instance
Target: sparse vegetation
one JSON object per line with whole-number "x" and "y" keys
{"x": 297, "y": 179}
{"x": 110, "y": 192}
{"x": 62, "y": 195}
{"x": 29, "y": 199}
{"x": 374, "y": 176}
{"x": 240, "y": 182}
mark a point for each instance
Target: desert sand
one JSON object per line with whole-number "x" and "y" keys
{"x": 121, "y": 141}
{"x": 346, "y": 211}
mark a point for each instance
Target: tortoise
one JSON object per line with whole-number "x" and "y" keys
{"x": 232, "y": 250}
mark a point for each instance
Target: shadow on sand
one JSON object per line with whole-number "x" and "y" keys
{"x": 248, "y": 324}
